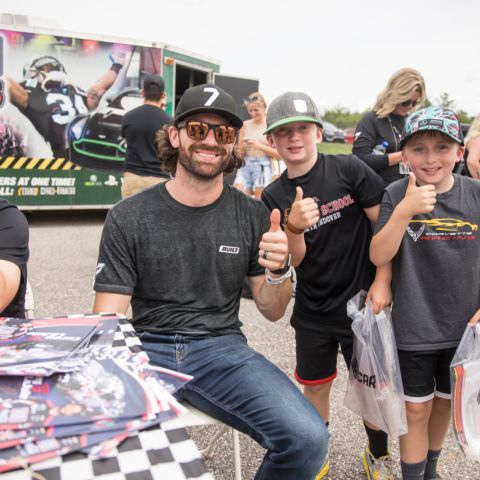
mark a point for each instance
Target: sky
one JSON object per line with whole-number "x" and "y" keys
{"x": 340, "y": 52}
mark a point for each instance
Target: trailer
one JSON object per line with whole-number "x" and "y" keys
{"x": 62, "y": 99}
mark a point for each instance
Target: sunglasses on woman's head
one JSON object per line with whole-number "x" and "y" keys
{"x": 199, "y": 130}
{"x": 408, "y": 103}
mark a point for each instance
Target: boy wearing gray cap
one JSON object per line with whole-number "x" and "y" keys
{"x": 428, "y": 226}
{"x": 328, "y": 203}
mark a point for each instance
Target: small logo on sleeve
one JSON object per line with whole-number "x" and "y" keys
{"x": 228, "y": 249}
{"x": 99, "y": 268}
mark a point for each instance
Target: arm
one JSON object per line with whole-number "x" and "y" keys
{"x": 303, "y": 214}
{"x": 386, "y": 242}
{"x": 380, "y": 292}
{"x": 272, "y": 300}
{"x": 473, "y": 159}
{"x": 366, "y": 139}
{"x": 111, "y": 302}
{"x": 475, "y": 319}
{"x": 18, "y": 95}
{"x": 10, "y": 276}
{"x": 268, "y": 151}
{"x": 96, "y": 91}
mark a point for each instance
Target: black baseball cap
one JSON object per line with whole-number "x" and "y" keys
{"x": 207, "y": 98}
{"x": 153, "y": 79}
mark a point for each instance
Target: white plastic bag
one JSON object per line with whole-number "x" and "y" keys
{"x": 374, "y": 389}
{"x": 465, "y": 383}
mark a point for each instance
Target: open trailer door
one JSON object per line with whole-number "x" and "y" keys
{"x": 239, "y": 87}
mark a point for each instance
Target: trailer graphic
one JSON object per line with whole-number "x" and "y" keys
{"x": 62, "y": 99}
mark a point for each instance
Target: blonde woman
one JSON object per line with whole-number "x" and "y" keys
{"x": 252, "y": 144}
{"x": 472, "y": 149}
{"x": 404, "y": 91}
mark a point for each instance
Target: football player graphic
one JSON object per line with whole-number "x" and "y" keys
{"x": 50, "y": 102}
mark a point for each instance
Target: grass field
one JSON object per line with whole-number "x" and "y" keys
{"x": 332, "y": 148}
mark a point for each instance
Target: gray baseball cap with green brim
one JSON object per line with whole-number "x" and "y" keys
{"x": 292, "y": 107}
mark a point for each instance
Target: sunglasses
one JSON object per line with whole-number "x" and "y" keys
{"x": 408, "y": 103}
{"x": 199, "y": 131}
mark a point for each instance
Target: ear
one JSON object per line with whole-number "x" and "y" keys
{"x": 319, "y": 135}
{"x": 270, "y": 141}
{"x": 460, "y": 153}
{"x": 173, "y": 136}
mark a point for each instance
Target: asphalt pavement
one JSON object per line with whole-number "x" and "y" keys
{"x": 64, "y": 248}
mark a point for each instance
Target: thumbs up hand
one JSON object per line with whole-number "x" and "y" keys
{"x": 304, "y": 212}
{"x": 273, "y": 248}
{"x": 417, "y": 200}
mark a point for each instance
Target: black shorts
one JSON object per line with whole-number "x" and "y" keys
{"x": 426, "y": 374}
{"x": 317, "y": 350}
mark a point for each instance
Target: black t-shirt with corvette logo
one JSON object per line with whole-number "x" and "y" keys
{"x": 436, "y": 272}
{"x": 336, "y": 265}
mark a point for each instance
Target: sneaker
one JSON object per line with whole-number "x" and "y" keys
{"x": 324, "y": 470}
{"x": 377, "y": 468}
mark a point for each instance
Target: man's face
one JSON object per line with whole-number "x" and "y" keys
{"x": 296, "y": 142}
{"x": 204, "y": 159}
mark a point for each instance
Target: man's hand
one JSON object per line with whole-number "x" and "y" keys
{"x": 304, "y": 212}
{"x": 417, "y": 200}
{"x": 273, "y": 248}
{"x": 475, "y": 319}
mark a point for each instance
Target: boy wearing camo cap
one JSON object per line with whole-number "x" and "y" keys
{"x": 328, "y": 203}
{"x": 428, "y": 226}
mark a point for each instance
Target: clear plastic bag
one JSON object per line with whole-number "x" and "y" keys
{"x": 465, "y": 383}
{"x": 374, "y": 388}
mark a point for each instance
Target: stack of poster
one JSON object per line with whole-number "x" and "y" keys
{"x": 115, "y": 393}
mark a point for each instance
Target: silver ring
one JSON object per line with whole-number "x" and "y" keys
{"x": 265, "y": 254}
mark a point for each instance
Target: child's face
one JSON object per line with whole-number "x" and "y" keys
{"x": 296, "y": 142}
{"x": 432, "y": 156}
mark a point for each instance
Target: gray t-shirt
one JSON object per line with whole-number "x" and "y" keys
{"x": 436, "y": 272}
{"x": 183, "y": 266}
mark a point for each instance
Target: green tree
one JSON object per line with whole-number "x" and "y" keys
{"x": 342, "y": 117}
{"x": 445, "y": 101}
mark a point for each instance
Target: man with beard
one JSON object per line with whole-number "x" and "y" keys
{"x": 179, "y": 252}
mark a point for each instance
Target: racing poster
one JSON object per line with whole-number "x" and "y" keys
{"x": 62, "y": 100}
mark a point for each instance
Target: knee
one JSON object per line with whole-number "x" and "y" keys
{"x": 309, "y": 434}
{"x": 442, "y": 405}
{"x": 418, "y": 412}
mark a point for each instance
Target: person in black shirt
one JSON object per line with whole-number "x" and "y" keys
{"x": 13, "y": 260}
{"x": 142, "y": 167}
{"x": 179, "y": 251}
{"x": 328, "y": 203}
{"x": 47, "y": 99}
{"x": 404, "y": 91}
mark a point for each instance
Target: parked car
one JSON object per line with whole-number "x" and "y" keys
{"x": 331, "y": 133}
{"x": 349, "y": 135}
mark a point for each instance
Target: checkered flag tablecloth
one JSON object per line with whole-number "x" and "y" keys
{"x": 160, "y": 452}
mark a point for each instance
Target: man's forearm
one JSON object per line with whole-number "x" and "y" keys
{"x": 272, "y": 300}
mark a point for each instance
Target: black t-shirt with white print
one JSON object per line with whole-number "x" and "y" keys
{"x": 183, "y": 266}
{"x": 336, "y": 265}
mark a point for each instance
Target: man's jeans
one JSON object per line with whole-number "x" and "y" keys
{"x": 241, "y": 388}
